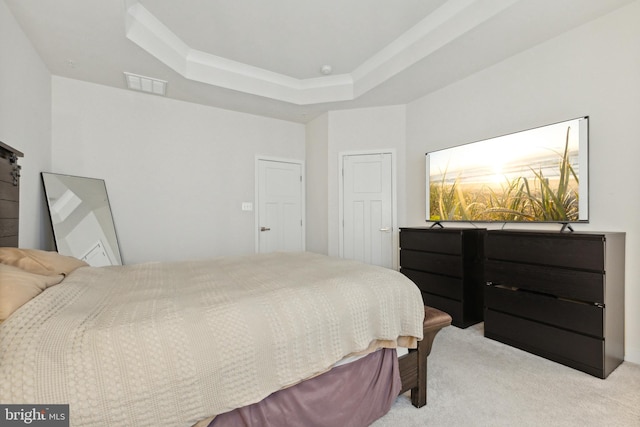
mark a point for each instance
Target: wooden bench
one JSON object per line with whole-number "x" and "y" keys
{"x": 416, "y": 359}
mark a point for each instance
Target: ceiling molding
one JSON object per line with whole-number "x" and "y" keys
{"x": 450, "y": 21}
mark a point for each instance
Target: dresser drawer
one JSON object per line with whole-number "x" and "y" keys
{"x": 449, "y": 306}
{"x": 8, "y": 191}
{"x": 584, "y": 318}
{"x": 569, "y": 348}
{"x": 582, "y": 251}
{"x": 572, "y": 284}
{"x": 6, "y": 171}
{"x": 450, "y": 265}
{"x": 9, "y": 208}
{"x": 450, "y": 287}
{"x": 445, "y": 242}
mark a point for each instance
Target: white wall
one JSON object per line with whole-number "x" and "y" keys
{"x": 317, "y": 152}
{"x": 593, "y": 70}
{"x": 176, "y": 173}
{"x": 25, "y": 123}
{"x": 363, "y": 129}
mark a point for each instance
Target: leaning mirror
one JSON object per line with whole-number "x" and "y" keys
{"x": 81, "y": 218}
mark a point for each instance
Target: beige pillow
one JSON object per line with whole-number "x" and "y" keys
{"x": 40, "y": 262}
{"x": 17, "y": 287}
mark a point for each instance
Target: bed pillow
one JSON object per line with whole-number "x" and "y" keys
{"x": 35, "y": 261}
{"x": 17, "y": 287}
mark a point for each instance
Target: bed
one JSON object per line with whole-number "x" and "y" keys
{"x": 206, "y": 342}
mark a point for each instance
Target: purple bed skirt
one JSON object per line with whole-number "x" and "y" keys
{"x": 354, "y": 395}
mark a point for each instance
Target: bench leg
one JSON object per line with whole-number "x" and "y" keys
{"x": 434, "y": 321}
{"x": 419, "y": 393}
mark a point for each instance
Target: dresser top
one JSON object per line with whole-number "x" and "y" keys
{"x": 6, "y": 149}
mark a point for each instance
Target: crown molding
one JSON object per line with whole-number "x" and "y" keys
{"x": 453, "y": 19}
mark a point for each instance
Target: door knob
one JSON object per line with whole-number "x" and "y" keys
{"x": 386, "y": 229}
{"x": 264, "y": 229}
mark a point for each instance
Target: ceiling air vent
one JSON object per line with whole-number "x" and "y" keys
{"x": 145, "y": 84}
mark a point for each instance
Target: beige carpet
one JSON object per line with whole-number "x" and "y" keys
{"x": 475, "y": 381}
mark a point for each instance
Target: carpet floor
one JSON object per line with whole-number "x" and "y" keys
{"x": 476, "y": 381}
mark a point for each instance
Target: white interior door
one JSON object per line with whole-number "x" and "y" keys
{"x": 280, "y": 207}
{"x": 368, "y": 208}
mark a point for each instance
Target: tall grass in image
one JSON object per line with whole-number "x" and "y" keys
{"x": 512, "y": 204}
{"x": 444, "y": 200}
{"x": 452, "y": 202}
{"x": 559, "y": 203}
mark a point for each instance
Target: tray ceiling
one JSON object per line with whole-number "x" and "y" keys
{"x": 266, "y": 57}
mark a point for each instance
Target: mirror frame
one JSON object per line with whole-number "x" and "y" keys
{"x": 102, "y": 253}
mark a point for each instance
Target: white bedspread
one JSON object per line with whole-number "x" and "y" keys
{"x": 168, "y": 344}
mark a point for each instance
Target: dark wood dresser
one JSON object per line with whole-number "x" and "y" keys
{"x": 9, "y": 195}
{"x": 558, "y": 295}
{"x": 446, "y": 264}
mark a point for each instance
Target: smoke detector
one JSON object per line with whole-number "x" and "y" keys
{"x": 326, "y": 69}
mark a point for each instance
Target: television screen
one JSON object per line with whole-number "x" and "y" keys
{"x": 537, "y": 175}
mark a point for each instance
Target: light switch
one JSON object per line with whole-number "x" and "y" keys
{"x": 247, "y": 206}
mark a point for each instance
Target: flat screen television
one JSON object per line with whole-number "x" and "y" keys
{"x": 536, "y": 175}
